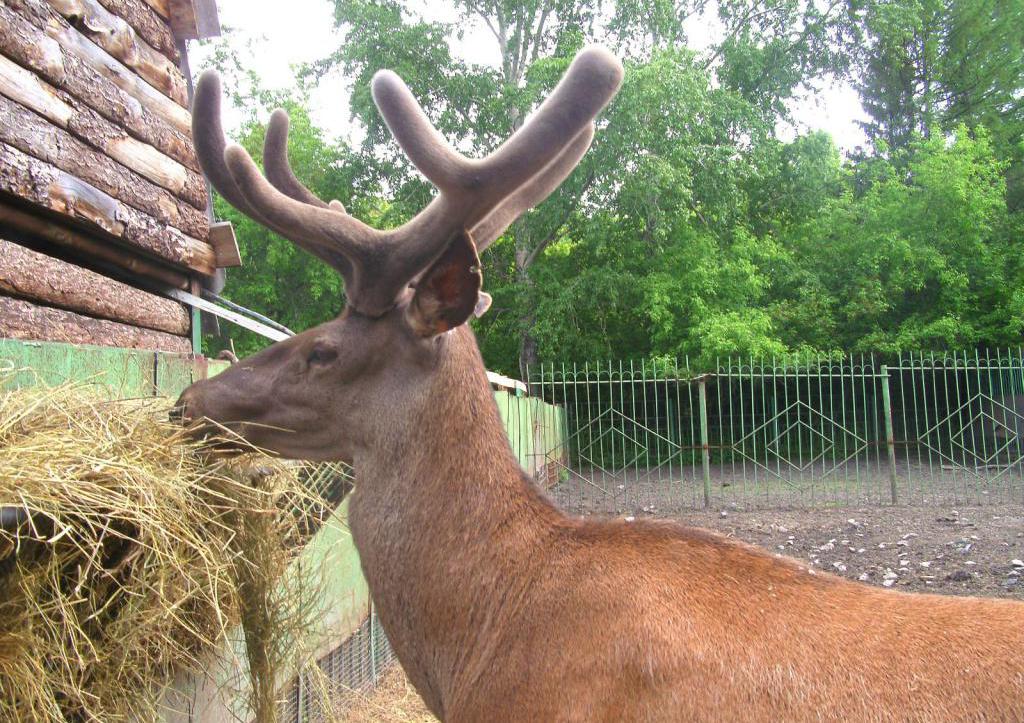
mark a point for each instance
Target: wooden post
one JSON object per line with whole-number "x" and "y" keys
{"x": 890, "y": 440}
{"x": 704, "y": 445}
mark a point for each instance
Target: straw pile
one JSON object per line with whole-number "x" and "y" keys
{"x": 132, "y": 555}
{"x": 394, "y": 700}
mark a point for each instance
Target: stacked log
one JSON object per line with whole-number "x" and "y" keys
{"x": 98, "y": 170}
{"x": 25, "y": 320}
{"x": 35, "y": 276}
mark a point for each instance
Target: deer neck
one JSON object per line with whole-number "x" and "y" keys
{"x": 446, "y": 522}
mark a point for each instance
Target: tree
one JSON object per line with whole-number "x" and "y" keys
{"x": 689, "y": 228}
{"x": 940, "y": 63}
{"x": 535, "y": 40}
{"x": 919, "y": 261}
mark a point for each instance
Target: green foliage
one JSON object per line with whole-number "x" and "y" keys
{"x": 918, "y": 260}
{"x": 690, "y": 229}
{"x": 939, "y": 63}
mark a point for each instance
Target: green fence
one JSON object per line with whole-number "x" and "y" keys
{"x": 119, "y": 373}
{"x": 656, "y": 437}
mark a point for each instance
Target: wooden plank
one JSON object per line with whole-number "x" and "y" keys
{"x": 121, "y": 42}
{"x": 38, "y": 13}
{"x": 33, "y": 276}
{"x": 20, "y": 319}
{"x": 89, "y": 249}
{"x": 194, "y": 19}
{"x": 154, "y": 29}
{"x": 234, "y": 317}
{"x": 78, "y": 84}
{"x": 28, "y": 132}
{"x": 45, "y": 185}
{"x": 225, "y": 245}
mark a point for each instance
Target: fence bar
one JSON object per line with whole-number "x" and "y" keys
{"x": 704, "y": 446}
{"x": 890, "y": 439}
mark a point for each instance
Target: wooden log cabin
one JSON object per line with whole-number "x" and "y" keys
{"x": 105, "y": 216}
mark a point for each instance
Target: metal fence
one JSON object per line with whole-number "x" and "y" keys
{"x": 356, "y": 665}
{"x": 654, "y": 437}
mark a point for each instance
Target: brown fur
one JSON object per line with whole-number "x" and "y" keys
{"x": 499, "y": 606}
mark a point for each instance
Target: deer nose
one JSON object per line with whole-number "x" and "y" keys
{"x": 183, "y": 411}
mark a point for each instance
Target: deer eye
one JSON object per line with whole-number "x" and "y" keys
{"x": 321, "y": 354}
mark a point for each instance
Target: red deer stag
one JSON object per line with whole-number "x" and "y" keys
{"x": 499, "y": 606}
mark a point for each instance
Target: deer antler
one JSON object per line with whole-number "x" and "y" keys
{"x": 483, "y": 195}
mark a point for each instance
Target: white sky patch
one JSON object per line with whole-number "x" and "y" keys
{"x": 286, "y": 35}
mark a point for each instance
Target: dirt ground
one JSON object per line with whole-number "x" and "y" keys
{"x": 957, "y": 551}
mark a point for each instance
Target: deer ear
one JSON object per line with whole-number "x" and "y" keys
{"x": 447, "y": 293}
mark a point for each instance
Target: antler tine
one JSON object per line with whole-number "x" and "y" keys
{"x": 476, "y": 187}
{"x": 278, "y": 170}
{"x": 208, "y": 136}
{"x": 532, "y": 192}
{"x": 275, "y": 161}
{"x": 346, "y": 243}
{"x": 443, "y": 166}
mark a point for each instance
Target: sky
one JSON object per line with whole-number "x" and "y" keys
{"x": 286, "y": 35}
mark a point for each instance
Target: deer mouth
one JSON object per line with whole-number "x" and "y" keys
{"x": 211, "y": 436}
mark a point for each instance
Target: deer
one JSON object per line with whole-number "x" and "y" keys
{"x": 498, "y": 605}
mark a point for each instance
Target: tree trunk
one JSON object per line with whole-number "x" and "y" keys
{"x": 23, "y": 87}
{"x": 44, "y": 185}
{"x": 23, "y": 320}
{"x": 527, "y": 343}
{"x": 32, "y": 49}
{"x": 73, "y": 43}
{"x": 34, "y": 276}
{"x": 147, "y": 23}
{"x": 160, "y": 7}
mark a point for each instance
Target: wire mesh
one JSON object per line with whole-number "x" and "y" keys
{"x": 316, "y": 694}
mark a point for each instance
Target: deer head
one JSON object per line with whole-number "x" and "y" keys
{"x": 323, "y": 393}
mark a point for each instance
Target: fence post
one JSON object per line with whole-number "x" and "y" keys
{"x": 705, "y": 448}
{"x": 890, "y": 440}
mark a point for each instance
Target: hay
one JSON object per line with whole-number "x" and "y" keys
{"x": 135, "y": 557}
{"x": 394, "y": 700}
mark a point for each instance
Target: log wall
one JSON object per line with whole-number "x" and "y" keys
{"x": 43, "y": 279}
{"x": 102, "y": 202}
